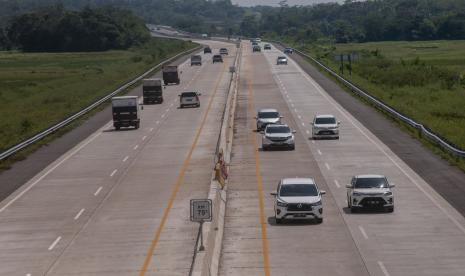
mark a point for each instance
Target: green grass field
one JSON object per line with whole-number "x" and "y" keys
{"x": 424, "y": 80}
{"x": 40, "y": 89}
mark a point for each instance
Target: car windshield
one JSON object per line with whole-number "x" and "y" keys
{"x": 268, "y": 115}
{"x": 188, "y": 94}
{"x": 325, "y": 121}
{"x": 223, "y": 50}
{"x": 367, "y": 183}
{"x": 218, "y": 57}
{"x": 278, "y": 129}
{"x": 281, "y": 57}
{"x": 298, "y": 190}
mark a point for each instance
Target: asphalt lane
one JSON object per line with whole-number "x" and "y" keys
{"x": 98, "y": 209}
{"x": 424, "y": 236}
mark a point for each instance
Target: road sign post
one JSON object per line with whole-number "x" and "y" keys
{"x": 201, "y": 211}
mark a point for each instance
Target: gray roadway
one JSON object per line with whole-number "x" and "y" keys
{"x": 424, "y": 235}
{"x": 118, "y": 203}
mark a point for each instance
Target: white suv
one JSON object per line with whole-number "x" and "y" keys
{"x": 267, "y": 116}
{"x": 370, "y": 191}
{"x": 278, "y": 136}
{"x": 325, "y": 126}
{"x": 298, "y": 198}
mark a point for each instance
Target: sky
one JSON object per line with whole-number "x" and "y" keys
{"x": 249, "y": 3}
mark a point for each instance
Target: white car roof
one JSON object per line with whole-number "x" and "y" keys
{"x": 124, "y": 97}
{"x": 370, "y": 176}
{"x": 325, "y": 116}
{"x": 276, "y": 125}
{"x": 297, "y": 180}
{"x": 267, "y": 110}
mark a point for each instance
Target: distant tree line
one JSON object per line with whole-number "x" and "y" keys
{"x": 352, "y": 21}
{"x": 56, "y": 29}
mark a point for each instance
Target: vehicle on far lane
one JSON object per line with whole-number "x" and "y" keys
{"x": 281, "y": 60}
{"x": 266, "y": 116}
{"x": 189, "y": 99}
{"x": 288, "y": 50}
{"x": 256, "y": 48}
{"x": 207, "y": 50}
{"x": 224, "y": 51}
{"x": 196, "y": 60}
{"x": 217, "y": 58}
{"x": 298, "y": 198}
{"x": 370, "y": 191}
{"x": 325, "y": 126}
{"x": 170, "y": 74}
{"x": 152, "y": 91}
{"x": 278, "y": 136}
{"x": 267, "y": 46}
{"x": 124, "y": 110}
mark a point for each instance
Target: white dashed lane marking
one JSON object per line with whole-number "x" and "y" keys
{"x": 54, "y": 243}
{"x": 113, "y": 172}
{"x": 136, "y": 147}
{"x": 363, "y": 232}
{"x": 125, "y": 159}
{"x": 327, "y": 166}
{"x": 98, "y": 191}
{"x": 383, "y": 268}
{"x": 319, "y": 152}
{"x": 79, "y": 214}
{"x": 143, "y": 138}
{"x": 337, "y": 183}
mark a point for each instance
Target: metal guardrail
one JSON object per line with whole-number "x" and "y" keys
{"x": 14, "y": 149}
{"x": 394, "y": 113}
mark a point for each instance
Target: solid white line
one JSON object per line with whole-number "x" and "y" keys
{"x": 327, "y": 166}
{"x": 319, "y": 152}
{"x": 113, "y": 172}
{"x": 145, "y": 137}
{"x": 363, "y": 232}
{"x": 136, "y": 147}
{"x": 125, "y": 158}
{"x": 383, "y": 268}
{"x": 54, "y": 243}
{"x": 48, "y": 172}
{"x": 428, "y": 195}
{"x": 98, "y": 191}
{"x": 79, "y": 214}
{"x": 337, "y": 183}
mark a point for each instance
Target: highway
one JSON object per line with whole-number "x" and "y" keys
{"x": 424, "y": 235}
{"x": 118, "y": 203}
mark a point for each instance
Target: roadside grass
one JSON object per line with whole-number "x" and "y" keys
{"x": 41, "y": 89}
{"x": 423, "y": 80}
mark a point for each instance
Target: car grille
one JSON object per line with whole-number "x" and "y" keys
{"x": 373, "y": 202}
{"x": 299, "y": 207}
{"x": 277, "y": 139}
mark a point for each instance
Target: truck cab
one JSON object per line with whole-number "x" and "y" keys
{"x": 152, "y": 91}
{"x": 170, "y": 74}
{"x": 124, "y": 111}
{"x": 196, "y": 60}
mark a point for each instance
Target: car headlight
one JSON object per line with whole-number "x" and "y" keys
{"x": 281, "y": 203}
{"x": 317, "y": 203}
{"x": 388, "y": 193}
{"x": 290, "y": 138}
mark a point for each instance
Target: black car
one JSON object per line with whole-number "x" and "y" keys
{"x": 217, "y": 58}
{"x": 207, "y": 50}
{"x": 267, "y": 47}
{"x": 288, "y": 50}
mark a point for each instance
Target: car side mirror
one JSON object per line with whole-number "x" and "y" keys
{"x": 262, "y": 132}
{"x": 179, "y": 95}
{"x": 274, "y": 194}
{"x": 311, "y": 123}
{"x": 338, "y": 122}
{"x": 200, "y": 94}
{"x": 141, "y": 106}
{"x": 280, "y": 117}
{"x": 294, "y": 131}
{"x": 322, "y": 192}
{"x": 349, "y": 186}
{"x": 255, "y": 117}
{"x": 392, "y": 185}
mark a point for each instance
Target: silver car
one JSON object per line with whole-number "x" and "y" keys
{"x": 325, "y": 126}
{"x": 370, "y": 191}
{"x": 189, "y": 99}
{"x": 278, "y": 136}
{"x": 281, "y": 60}
{"x": 267, "y": 116}
{"x": 298, "y": 198}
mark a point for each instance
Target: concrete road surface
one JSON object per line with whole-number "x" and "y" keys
{"x": 118, "y": 203}
{"x": 423, "y": 236}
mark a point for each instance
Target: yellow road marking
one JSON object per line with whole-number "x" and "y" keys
{"x": 179, "y": 181}
{"x": 266, "y": 261}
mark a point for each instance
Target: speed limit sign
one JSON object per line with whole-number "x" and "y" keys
{"x": 201, "y": 210}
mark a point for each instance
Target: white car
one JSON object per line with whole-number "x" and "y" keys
{"x": 325, "y": 126}
{"x": 267, "y": 116}
{"x": 278, "y": 136}
{"x": 298, "y": 198}
{"x": 370, "y": 191}
{"x": 189, "y": 99}
{"x": 281, "y": 60}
